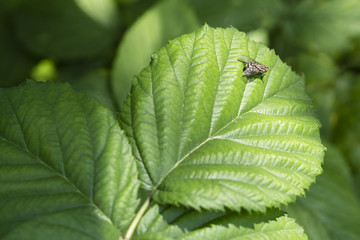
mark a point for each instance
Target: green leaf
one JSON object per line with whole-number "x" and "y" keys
{"x": 174, "y": 222}
{"x": 331, "y": 210}
{"x": 205, "y": 138}
{"x": 66, "y": 30}
{"x": 164, "y": 21}
{"x": 282, "y": 228}
{"x": 66, "y": 168}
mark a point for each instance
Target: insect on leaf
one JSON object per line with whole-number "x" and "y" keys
{"x": 252, "y": 67}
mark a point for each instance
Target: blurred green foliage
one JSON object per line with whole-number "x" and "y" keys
{"x": 98, "y": 46}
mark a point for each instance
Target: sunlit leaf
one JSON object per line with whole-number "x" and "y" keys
{"x": 205, "y": 137}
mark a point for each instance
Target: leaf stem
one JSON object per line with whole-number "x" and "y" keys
{"x": 136, "y": 220}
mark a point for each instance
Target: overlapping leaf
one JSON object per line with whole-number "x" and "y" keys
{"x": 66, "y": 169}
{"x": 205, "y": 137}
{"x": 175, "y": 222}
{"x": 331, "y": 210}
{"x": 281, "y": 228}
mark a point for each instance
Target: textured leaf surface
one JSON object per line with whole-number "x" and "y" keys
{"x": 331, "y": 210}
{"x": 66, "y": 169}
{"x": 205, "y": 137}
{"x": 164, "y": 21}
{"x": 281, "y": 228}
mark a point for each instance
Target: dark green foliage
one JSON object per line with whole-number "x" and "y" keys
{"x": 188, "y": 107}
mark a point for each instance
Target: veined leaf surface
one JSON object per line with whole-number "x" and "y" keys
{"x": 66, "y": 168}
{"x": 206, "y": 137}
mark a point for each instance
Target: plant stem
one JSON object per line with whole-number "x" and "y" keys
{"x": 137, "y": 219}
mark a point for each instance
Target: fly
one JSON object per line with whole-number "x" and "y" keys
{"x": 252, "y": 67}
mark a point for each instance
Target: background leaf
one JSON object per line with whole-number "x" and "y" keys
{"x": 164, "y": 21}
{"x": 316, "y": 22}
{"x": 66, "y": 30}
{"x": 347, "y": 129}
{"x": 326, "y": 215}
{"x": 96, "y": 84}
{"x": 244, "y": 15}
{"x": 66, "y": 169}
{"x": 205, "y": 138}
{"x": 15, "y": 65}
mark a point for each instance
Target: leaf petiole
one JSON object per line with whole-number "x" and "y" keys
{"x": 136, "y": 220}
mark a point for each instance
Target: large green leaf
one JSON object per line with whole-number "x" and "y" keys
{"x": 331, "y": 210}
{"x": 205, "y": 137}
{"x": 164, "y": 21}
{"x": 66, "y": 169}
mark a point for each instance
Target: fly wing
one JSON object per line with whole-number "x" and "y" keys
{"x": 245, "y": 59}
